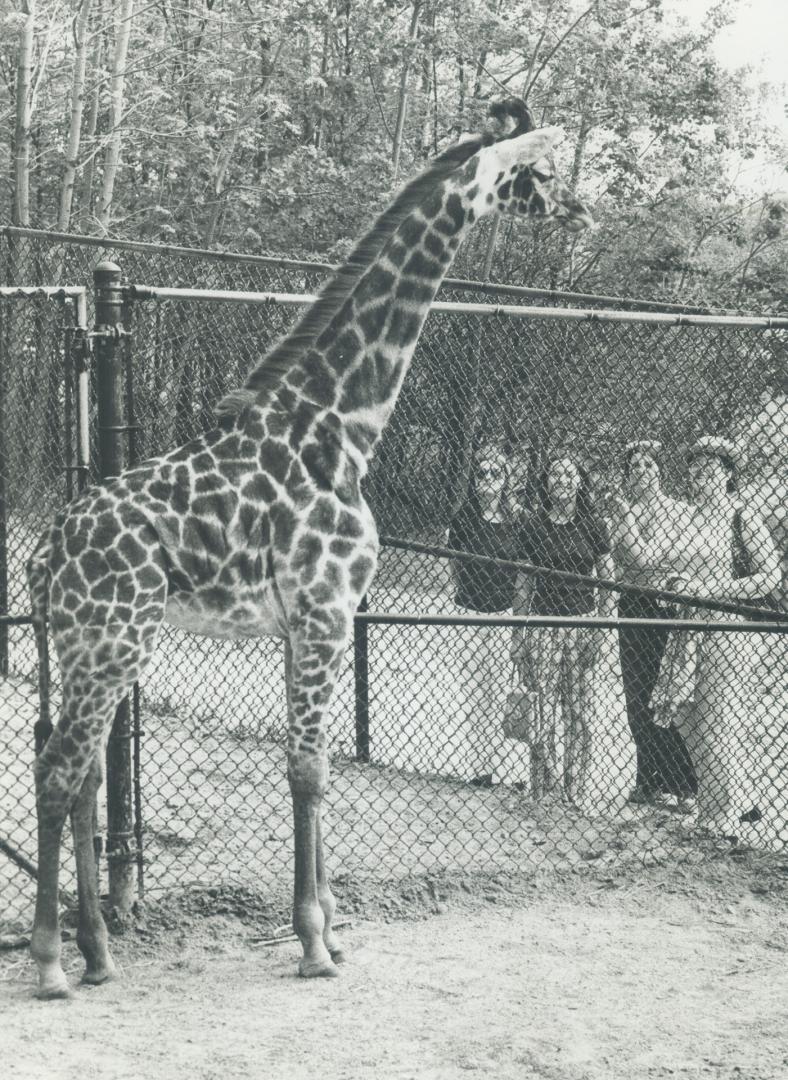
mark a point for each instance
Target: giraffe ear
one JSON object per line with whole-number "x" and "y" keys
{"x": 528, "y": 148}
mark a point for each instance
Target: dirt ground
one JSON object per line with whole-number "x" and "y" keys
{"x": 489, "y": 935}
{"x": 661, "y": 972}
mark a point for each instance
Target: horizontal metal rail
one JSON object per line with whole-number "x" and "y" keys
{"x": 43, "y": 292}
{"x": 608, "y": 584}
{"x": 224, "y": 296}
{"x": 575, "y": 621}
{"x": 510, "y": 311}
{"x": 526, "y": 620}
{"x": 109, "y": 244}
{"x": 307, "y": 265}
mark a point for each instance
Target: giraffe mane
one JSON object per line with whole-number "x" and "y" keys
{"x": 268, "y": 374}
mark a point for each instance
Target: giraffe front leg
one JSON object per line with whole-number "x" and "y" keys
{"x": 309, "y": 919}
{"x": 92, "y": 937}
{"x": 326, "y": 900}
{"x": 311, "y": 669}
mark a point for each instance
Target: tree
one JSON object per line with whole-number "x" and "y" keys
{"x": 285, "y": 128}
{"x": 116, "y": 95}
{"x": 80, "y": 25}
{"x": 24, "y": 112}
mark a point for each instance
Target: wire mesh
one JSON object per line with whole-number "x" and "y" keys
{"x": 430, "y": 768}
{"x": 37, "y": 439}
{"x": 442, "y": 784}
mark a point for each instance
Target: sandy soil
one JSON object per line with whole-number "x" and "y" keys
{"x": 663, "y": 974}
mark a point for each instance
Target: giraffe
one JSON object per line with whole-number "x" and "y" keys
{"x": 257, "y": 527}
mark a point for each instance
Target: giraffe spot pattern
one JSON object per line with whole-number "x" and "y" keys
{"x": 421, "y": 265}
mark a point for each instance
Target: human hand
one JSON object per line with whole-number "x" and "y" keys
{"x": 595, "y": 639}
{"x": 616, "y": 505}
{"x": 516, "y": 648}
{"x": 688, "y": 585}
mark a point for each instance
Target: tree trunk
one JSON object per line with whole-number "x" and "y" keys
{"x": 86, "y": 200}
{"x": 427, "y": 89}
{"x": 246, "y": 116}
{"x": 402, "y": 105}
{"x": 75, "y": 124}
{"x": 21, "y": 208}
{"x": 117, "y": 89}
{"x": 323, "y": 76}
{"x": 495, "y": 224}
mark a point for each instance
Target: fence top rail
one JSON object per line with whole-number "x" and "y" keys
{"x": 512, "y": 311}
{"x": 104, "y": 242}
{"x": 492, "y": 287}
{"x": 49, "y": 292}
{"x": 385, "y": 618}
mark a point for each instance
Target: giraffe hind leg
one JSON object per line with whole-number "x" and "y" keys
{"x": 38, "y": 584}
{"x": 98, "y": 665}
{"x": 92, "y": 937}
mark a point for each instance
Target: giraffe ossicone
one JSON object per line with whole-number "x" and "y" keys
{"x": 257, "y": 527}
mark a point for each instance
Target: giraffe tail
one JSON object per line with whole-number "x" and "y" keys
{"x": 38, "y": 587}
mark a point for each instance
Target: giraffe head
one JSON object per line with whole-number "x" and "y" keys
{"x": 517, "y": 175}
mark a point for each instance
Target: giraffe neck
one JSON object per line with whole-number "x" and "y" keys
{"x": 358, "y": 363}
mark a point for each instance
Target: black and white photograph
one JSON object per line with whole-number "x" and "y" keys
{"x": 393, "y": 539}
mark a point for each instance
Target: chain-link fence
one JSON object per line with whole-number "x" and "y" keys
{"x": 42, "y": 452}
{"x": 460, "y": 737}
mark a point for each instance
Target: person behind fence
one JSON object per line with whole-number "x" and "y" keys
{"x": 558, "y": 664}
{"x": 646, "y": 525}
{"x": 764, "y": 443}
{"x": 705, "y": 684}
{"x": 483, "y": 526}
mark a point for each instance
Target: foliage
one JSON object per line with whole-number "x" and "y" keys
{"x": 265, "y": 127}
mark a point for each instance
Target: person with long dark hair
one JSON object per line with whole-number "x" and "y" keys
{"x": 558, "y": 664}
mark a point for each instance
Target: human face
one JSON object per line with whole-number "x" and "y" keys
{"x": 643, "y": 473}
{"x": 490, "y": 475}
{"x": 563, "y": 481}
{"x": 708, "y": 476}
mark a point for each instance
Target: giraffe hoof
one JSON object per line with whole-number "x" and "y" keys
{"x": 98, "y": 977}
{"x": 318, "y": 969}
{"x": 55, "y": 991}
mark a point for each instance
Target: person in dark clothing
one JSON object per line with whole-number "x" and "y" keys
{"x": 558, "y": 664}
{"x": 646, "y": 528}
{"x": 484, "y": 527}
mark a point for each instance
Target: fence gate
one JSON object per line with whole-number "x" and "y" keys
{"x": 45, "y": 459}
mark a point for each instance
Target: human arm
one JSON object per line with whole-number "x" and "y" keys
{"x": 457, "y": 539}
{"x": 523, "y": 592}
{"x": 719, "y": 583}
{"x": 605, "y": 567}
{"x": 524, "y": 547}
{"x": 764, "y": 562}
{"x": 626, "y": 536}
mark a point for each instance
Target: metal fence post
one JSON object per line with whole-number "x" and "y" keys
{"x": 361, "y": 682}
{"x": 112, "y": 426}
